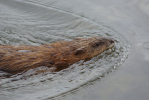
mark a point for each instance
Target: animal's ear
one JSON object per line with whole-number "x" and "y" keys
{"x": 80, "y": 51}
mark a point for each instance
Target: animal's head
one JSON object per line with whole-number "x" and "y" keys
{"x": 94, "y": 47}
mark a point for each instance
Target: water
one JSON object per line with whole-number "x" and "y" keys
{"x": 35, "y": 22}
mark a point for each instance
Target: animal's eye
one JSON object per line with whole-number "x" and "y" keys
{"x": 97, "y": 44}
{"x": 100, "y": 43}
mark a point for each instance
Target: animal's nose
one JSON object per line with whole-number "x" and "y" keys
{"x": 112, "y": 41}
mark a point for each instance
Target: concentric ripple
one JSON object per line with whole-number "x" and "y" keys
{"x": 35, "y": 24}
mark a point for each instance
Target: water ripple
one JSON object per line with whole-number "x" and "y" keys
{"x": 34, "y": 24}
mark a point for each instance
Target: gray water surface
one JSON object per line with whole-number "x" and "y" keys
{"x": 117, "y": 74}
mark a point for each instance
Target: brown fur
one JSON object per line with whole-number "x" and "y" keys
{"x": 58, "y": 55}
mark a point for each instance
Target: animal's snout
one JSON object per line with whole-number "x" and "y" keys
{"x": 111, "y": 41}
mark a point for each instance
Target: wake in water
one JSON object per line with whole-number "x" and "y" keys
{"x": 35, "y": 24}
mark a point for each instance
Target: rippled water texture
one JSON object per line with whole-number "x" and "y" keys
{"x": 30, "y": 22}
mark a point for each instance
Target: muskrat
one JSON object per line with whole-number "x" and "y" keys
{"x": 58, "y": 55}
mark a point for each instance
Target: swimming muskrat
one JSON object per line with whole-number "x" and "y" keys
{"x": 57, "y": 55}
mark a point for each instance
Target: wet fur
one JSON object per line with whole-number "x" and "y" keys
{"x": 58, "y": 55}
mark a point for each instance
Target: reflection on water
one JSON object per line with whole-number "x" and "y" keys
{"x": 36, "y": 23}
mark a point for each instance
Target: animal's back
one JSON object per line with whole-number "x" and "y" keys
{"x": 23, "y": 57}
{"x": 16, "y": 58}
